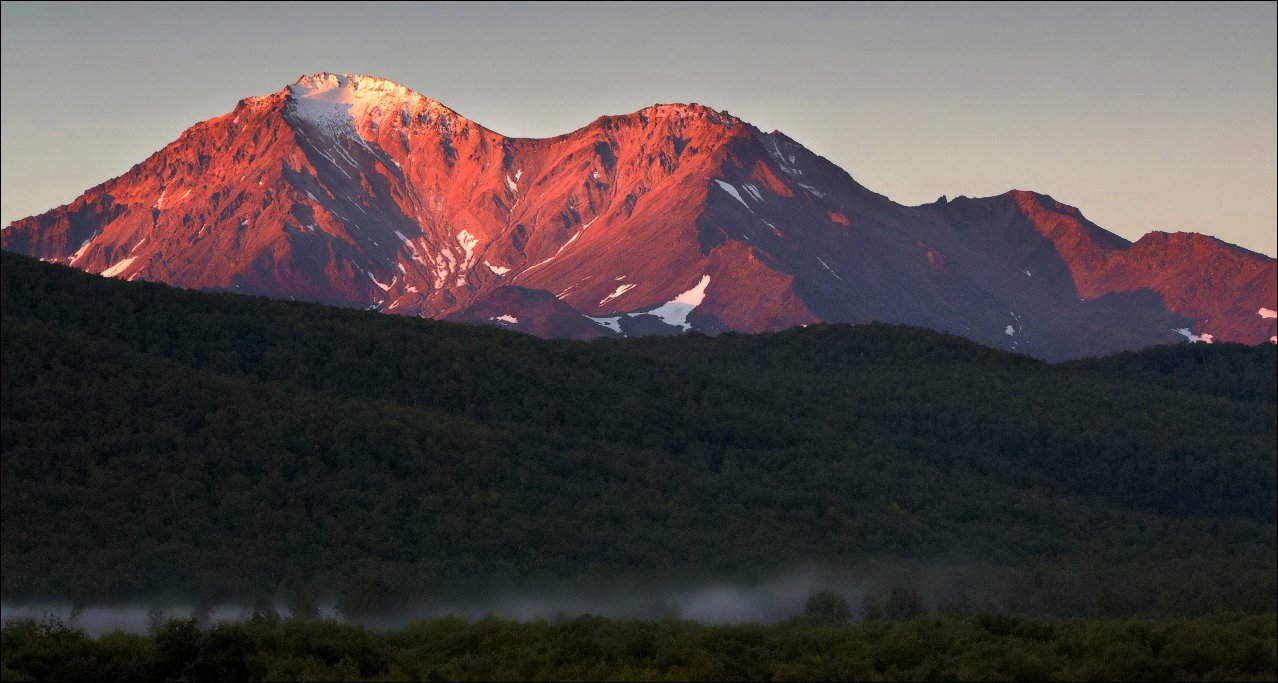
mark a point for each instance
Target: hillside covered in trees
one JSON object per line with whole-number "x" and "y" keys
{"x": 159, "y": 442}
{"x": 981, "y": 648}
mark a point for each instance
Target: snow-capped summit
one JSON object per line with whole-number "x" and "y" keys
{"x": 339, "y": 101}
{"x": 357, "y": 191}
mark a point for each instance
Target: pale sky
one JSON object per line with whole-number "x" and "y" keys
{"x": 1145, "y": 116}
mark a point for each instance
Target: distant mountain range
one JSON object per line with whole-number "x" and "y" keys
{"x": 356, "y": 191}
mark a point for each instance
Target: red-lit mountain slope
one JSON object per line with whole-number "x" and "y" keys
{"x": 356, "y": 191}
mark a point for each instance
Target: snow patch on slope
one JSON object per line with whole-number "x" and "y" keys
{"x": 467, "y": 242}
{"x": 613, "y": 323}
{"x": 1204, "y": 337}
{"x": 1267, "y": 313}
{"x": 83, "y": 247}
{"x": 675, "y": 313}
{"x": 823, "y": 265}
{"x": 616, "y": 293}
{"x": 119, "y": 267}
{"x": 775, "y": 153}
{"x": 819, "y": 194}
{"x": 567, "y": 244}
{"x": 727, "y": 187}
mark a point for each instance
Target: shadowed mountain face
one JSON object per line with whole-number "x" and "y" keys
{"x": 356, "y": 191}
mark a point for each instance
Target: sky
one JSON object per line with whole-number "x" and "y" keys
{"x": 1146, "y": 116}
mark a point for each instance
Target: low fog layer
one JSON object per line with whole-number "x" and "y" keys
{"x": 770, "y": 600}
{"x": 774, "y": 599}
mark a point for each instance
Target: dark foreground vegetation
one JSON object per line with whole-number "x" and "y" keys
{"x": 987, "y": 647}
{"x": 159, "y": 442}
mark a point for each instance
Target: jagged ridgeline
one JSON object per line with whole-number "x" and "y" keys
{"x": 356, "y": 191}
{"x": 218, "y": 447}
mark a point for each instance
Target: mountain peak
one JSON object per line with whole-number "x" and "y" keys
{"x": 326, "y": 80}
{"x": 1028, "y": 198}
{"x": 352, "y": 89}
{"x": 684, "y": 114}
{"x": 333, "y": 99}
{"x": 676, "y": 115}
{"x": 686, "y": 110}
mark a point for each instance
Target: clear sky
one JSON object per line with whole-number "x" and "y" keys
{"x": 1146, "y": 116}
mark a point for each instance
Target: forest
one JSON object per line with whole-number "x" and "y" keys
{"x": 920, "y": 648}
{"x": 160, "y": 443}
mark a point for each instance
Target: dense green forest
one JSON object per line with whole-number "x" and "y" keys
{"x": 159, "y": 442}
{"x": 922, "y": 648}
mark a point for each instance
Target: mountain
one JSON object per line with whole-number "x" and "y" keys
{"x": 357, "y": 191}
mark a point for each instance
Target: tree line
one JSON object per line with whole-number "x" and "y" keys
{"x": 984, "y": 647}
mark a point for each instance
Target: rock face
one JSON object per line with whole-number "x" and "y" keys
{"x": 356, "y": 191}
{"x": 534, "y": 311}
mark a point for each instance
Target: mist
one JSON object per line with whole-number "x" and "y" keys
{"x": 774, "y": 599}
{"x": 769, "y": 600}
